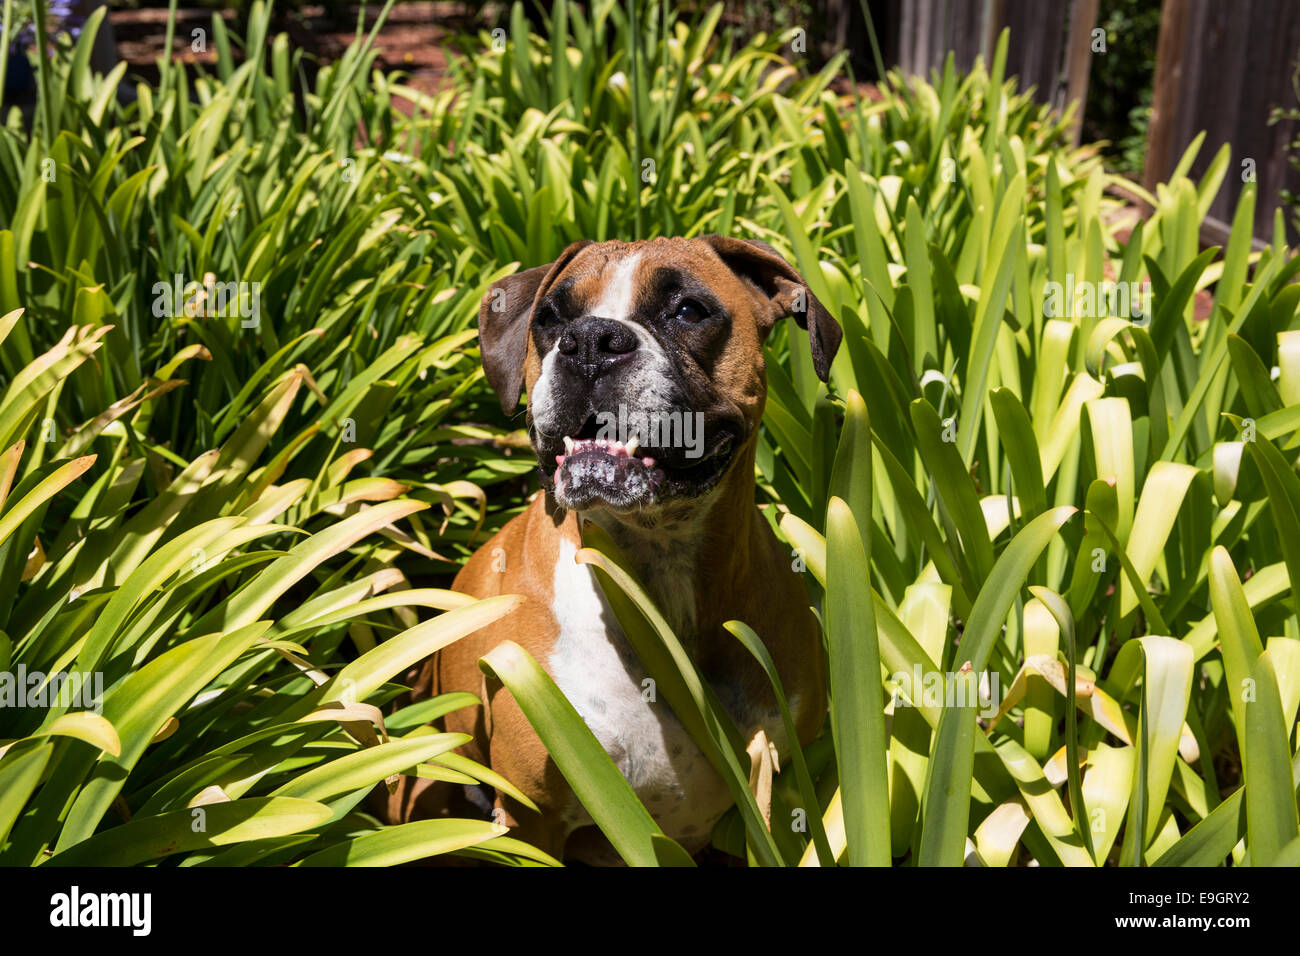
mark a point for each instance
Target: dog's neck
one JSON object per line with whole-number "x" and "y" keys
{"x": 693, "y": 556}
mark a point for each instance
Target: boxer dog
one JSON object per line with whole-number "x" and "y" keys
{"x": 662, "y": 341}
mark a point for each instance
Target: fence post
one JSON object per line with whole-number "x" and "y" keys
{"x": 1164, "y": 94}
{"x": 1083, "y": 17}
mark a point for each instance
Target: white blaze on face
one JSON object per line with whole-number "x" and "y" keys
{"x": 618, "y": 290}
{"x": 645, "y": 388}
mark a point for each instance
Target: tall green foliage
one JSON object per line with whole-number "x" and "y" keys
{"x": 1085, "y": 511}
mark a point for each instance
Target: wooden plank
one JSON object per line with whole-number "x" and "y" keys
{"x": 1219, "y": 71}
{"x": 966, "y": 35}
{"x": 1265, "y": 83}
{"x": 1035, "y": 46}
{"x": 928, "y": 29}
{"x": 1166, "y": 91}
{"x": 1079, "y": 58}
{"x": 909, "y": 59}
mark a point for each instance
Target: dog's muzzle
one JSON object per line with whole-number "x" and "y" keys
{"x": 613, "y": 427}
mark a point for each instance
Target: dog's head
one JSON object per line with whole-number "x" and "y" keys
{"x": 643, "y": 362}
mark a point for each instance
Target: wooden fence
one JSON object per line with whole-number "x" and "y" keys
{"x": 1221, "y": 67}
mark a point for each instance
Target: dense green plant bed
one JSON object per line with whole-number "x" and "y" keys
{"x": 245, "y": 441}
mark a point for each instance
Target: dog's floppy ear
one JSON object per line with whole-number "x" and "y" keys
{"x": 787, "y": 292}
{"x": 503, "y": 319}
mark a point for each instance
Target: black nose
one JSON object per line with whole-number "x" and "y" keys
{"x": 595, "y": 345}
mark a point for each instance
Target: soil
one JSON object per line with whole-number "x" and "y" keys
{"x": 414, "y": 39}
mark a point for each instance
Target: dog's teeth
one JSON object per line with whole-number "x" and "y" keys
{"x": 568, "y": 445}
{"x": 633, "y": 444}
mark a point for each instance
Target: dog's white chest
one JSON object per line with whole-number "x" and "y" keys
{"x": 597, "y": 670}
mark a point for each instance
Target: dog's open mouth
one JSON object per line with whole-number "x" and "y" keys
{"x": 592, "y": 471}
{"x": 600, "y": 463}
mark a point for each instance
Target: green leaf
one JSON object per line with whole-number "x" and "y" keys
{"x": 140, "y": 707}
{"x": 1166, "y": 672}
{"x": 20, "y": 774}
{"x": 367, "y": 766}
{"x": 1252, "y": 687}
{"x": 952, "y": 482}
{"x": 406, "y": 843}
{"x": 857, "y": 698}
{"x": 946, "y": 806}
{"x": 180, "y": 831}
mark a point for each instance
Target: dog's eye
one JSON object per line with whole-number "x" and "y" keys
{"x": 690, "y": 311}
{"x": 545, "y": 316}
